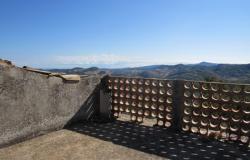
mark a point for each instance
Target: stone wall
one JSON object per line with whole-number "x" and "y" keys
{"x": 32, "y": 104}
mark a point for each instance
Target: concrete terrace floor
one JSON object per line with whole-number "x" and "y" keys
{"x": 123, "y": 141}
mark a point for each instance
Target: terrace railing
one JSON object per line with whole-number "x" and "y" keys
{"x": 208, "y": 108}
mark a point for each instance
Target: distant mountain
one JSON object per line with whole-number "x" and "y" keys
{"x": 203, "y": 71}
{"x": 207, "y": 64}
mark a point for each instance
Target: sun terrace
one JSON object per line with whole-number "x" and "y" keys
{"x": 45, "y": 116}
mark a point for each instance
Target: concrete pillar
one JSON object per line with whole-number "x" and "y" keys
{"x": 178, "y": 106}
{"x": 105, "y": 101}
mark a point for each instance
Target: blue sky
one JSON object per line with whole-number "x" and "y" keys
{"x": 120, "y": 33}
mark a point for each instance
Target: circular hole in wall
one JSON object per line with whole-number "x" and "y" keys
{"x": 185, "y": 127}
{"x": 196, "y": 85}
{"x": 196, "y": 103}
{"x": 205, "y": 104}
{"x": 162, "y": 91}
{"x": 225, "y": 97}
{"x": 233, "y": 137}
{"x": 127, "y": 81}
{"x": 236, "y": 98}
{"x": 203, "y": 131}
{"x": 169, "y": 117}
{"x": 235, "y": 108}
{"x": 187, "y": 85}
{"x": 122, "y": 87}
{"x": 147, "y": 105}
{"x": 154, "y": 83}
{"x": 244, "y": 139}
{"x": 196, "y": 94}
{"x": 122, "y": 109}
{"x": 116, "y": 108}
{"x": 205, "y": 95}
{"x": 153, "y": 114}
{"x": 153, "y": 106}
{"x": 134, "y": 88}
{"x": 169, "y": 100}
{"x": 236, "y": 118}
{"x": 196, "y": 112}
{"x": 161, "y": 99}
{"x": 140, "y": 112}
{"x": 205, "y": 86}
{"x": 140, "y": 90}
{"x": 134, "y": 96}
{"x": 224, "y": 116}
{"x": 127, "y": 109}
{"x": 247, "y": 89}
{"x": 161, "y": 107}
{"x": 226, "y": 88}
{"x": 128, "y": 95}
{"x": 225, "y": 107}
{"x": 134, "y": 81}
{"x": 216, "y": 96}
{"x": 194, "y": 121}
{"x": 160, "y": 115}
{"x": 160, "y": 123}
{"x": 133, "y": 111}
{"x": 154, "y": 99}
{"x": 169, "y": 108}
{"x": 186, "y": 119}
{"x": 154, "y": 91}
{"x": 170, "y": 84}
{"x": 122, "y": 81}
{"x": 247, "y": 99}
{"x": 146, "y": 113}
{"x": 236, "y": 89}
{"x": 215, "y": 115}
{"x": 169, "y": 92}
{"x": 204, "y": 122}
{"x": 147, "y": 82}
{"x": 140, "y": 105}
{"x": 116, "y": 80}
{"x": 141, "y": 82}
{"x": 139, "y": 119}
{"x": 140, "y": 97}
{"x": 147, "y": 90}
{"x": 147, "y": 98}
{"x": 116, "y": 114}
{"x": 223, "y": 125}
{"x": 214, "y": 87}
{"x": 161, "y": 84}
{"x": 213, "y": 124}
{"x": 205, "y": 113}
{"x": 187, "y": 94}
{"x": 187, "y": 111}
{"x": 133, "y": 118}
{"x": 194, "y": 129}
{"x": 122, "y": 94}
{"x": 167, "y": 124}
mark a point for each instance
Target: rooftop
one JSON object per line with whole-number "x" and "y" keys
{"x": 122, "y": 140}
{"x": 52, "y": 116}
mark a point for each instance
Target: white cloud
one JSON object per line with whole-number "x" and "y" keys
{"x": 110, "y": 60}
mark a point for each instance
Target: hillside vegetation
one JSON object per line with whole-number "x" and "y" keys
{"x": 202, "y": 72}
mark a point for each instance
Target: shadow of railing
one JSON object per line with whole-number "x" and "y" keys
{"x": 161, "y": 141}
{"x": 87, "y": 110}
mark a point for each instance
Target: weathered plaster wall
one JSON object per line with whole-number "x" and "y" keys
{"x": 32, "y": 104}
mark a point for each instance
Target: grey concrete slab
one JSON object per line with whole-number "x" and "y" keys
{"x": 70, "y": 145}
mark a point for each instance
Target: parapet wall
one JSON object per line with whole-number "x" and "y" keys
{"x": 32, "y": 104}
{"x": 211, "y": 109}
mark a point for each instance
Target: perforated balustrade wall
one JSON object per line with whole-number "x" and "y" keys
{"x": 220, "y": 108}
{"x": 142, "y": 98}
{"x": 203, "y": 107}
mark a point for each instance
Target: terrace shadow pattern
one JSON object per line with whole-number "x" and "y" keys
{"x": 162, "y": 142}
